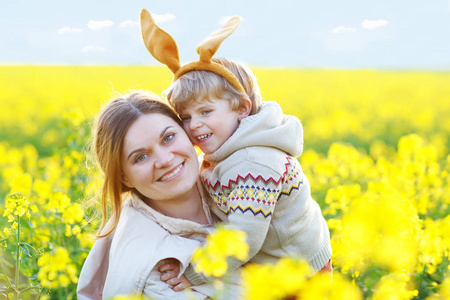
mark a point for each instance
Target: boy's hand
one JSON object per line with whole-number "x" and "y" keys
{"x": 169, "y": 274}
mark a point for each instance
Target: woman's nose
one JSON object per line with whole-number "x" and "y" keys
{"x": 164, "y": 158}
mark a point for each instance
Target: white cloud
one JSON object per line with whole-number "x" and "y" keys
{"x": 372, "y": 24}
{"x": 69, "y": 30}
{"x": 93, "y": 49}
{"x": 96, "y": 25}
{"x": 163, "y": 18}
{"x": 341, "y": 29}
{"x": 129, "y": 23}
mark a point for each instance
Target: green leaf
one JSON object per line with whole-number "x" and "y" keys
{"x": 33, "y": 277}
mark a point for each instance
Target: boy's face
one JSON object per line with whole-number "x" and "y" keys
{"x": 209, "y": 124}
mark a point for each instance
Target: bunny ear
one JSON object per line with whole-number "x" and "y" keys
{"x": 210, "y": 45}
{"x": 159, "y": 43}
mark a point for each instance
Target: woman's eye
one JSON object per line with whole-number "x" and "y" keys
{"x": 185, "y": 119}
{"x": 169, "y": 137}
{"x": 141, "y": 157}
{"x": 205, "y": 112}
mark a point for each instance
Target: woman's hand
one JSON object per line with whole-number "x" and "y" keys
{"x": 169, "y": 274}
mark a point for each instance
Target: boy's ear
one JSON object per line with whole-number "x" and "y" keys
{"x": 245, "y": 109}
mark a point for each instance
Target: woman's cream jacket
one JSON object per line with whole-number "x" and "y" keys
{"x": 126, "y": 262}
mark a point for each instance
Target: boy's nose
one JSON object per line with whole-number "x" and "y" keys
{"x": 195, "y": 124}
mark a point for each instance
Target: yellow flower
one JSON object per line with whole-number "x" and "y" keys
{"x": 68, "y": 231}
{"x": 16, "y": 205}
{"x": 56, "y": 269}
{"x": 74, "y": 115}
{"x": 76, "y": 230}
{"x": 73, "y": 213}
{"x": 58, "y": 202}
{"x": 6, "y": 231}
{"x": 393, "y": 286}
{"x": 21, "y": 183}
{"x": 211, "y": 258}
{"x": 42, "y": 188}
{"x": 275, "y": 281}
{"x": 323, "y": 286}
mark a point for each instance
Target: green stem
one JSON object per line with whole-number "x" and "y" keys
{"x": 60, "y": 294}
{"x": 40, "y": 293}
{"x": 6, "y": 275}
{"x": 17, "y": 260}
{"x": 29, "y": 288}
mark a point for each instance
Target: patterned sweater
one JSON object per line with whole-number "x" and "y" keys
{"x": 258, "y": 186}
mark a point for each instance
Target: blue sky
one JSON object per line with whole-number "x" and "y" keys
{"x": 380, "y": 34}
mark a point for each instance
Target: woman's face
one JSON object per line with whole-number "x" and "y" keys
{"x": 158, "y": 159}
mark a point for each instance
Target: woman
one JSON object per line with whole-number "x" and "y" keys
{"x": 157, "y": 211}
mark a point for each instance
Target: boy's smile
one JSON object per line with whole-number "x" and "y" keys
{"x": 203, "y": 137}
{"x": 209, "y": 124}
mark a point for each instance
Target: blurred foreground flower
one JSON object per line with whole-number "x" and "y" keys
{"x": 394, "y": 286}
{"x": 290, "y": 279}
{"x": 444, "y": 291}
{"x": 323, "y": 286}
{"x": 275, "y": 281}
{"x": 211, "y": 258}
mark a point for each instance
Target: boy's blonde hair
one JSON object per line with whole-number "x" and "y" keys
{"x": 206, "y": 85}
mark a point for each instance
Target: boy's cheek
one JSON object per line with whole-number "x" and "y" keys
{"x": 188, "y": 131}
{"x": 186, "y": 127}
{"x": 193, "y": 141}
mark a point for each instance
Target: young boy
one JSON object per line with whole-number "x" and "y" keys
{"x": 250, "y": 167}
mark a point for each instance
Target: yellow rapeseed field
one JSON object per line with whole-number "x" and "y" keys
{"x": 376, "y": 151}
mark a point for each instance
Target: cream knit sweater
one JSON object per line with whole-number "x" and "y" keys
{"x": 258, "y": 186}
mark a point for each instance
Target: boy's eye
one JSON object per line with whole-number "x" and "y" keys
{"x": 169, "y": 137}
{"x": 185, "y": 118}
{"x": 205, "y": 112}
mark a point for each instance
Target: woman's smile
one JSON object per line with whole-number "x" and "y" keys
{"x": 172, "y": 174}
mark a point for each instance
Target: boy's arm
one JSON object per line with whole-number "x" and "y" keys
{"x": 249, "y": 204}
{"x": 194, "y": 277}
{"x": 254, "y": 219}
{"x": 249, "y": 207}
{"x": 256, "y": 228}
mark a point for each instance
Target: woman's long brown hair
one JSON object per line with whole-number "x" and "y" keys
{"x": 110, "y": 129}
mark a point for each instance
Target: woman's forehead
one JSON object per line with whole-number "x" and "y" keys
{"x": 148, "y": 127}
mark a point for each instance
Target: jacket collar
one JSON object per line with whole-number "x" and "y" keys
{"x": 174, "y": 225}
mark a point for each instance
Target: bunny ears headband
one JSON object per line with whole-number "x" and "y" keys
{"x": 163, "y": 47}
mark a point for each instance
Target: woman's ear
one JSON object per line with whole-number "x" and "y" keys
{"x": 124, "y": 180}
{"x": 245, "y": 109}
